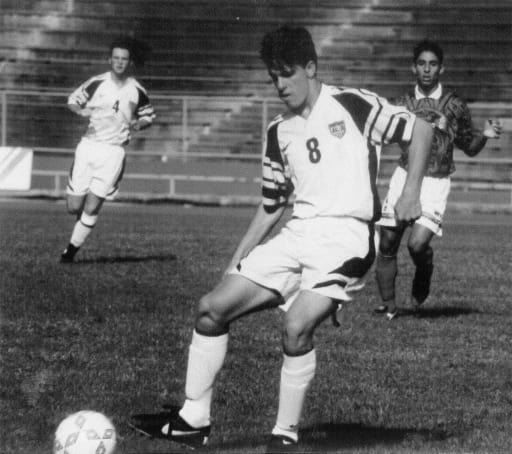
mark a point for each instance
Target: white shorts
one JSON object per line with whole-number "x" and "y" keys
{"x": 433, "y": 198}
{"x": 97, "y": 167}
{"x": 327, "y": 255}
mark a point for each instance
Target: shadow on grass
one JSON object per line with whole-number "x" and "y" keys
{"x": 438, "y": 312}
{"x": 330, "y": 437}
{"x": 127, "y": 259}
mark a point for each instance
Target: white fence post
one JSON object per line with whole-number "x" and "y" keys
{"x": 184, "y": 128}
{"x": 4, "y": 119}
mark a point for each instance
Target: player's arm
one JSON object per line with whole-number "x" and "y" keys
{"x": 492, "y": 130}
{"x": 467, "y": 139}
{"x": 78, "y": 101}
{"x": 80, "y": 110}
{"x": 260, "y": 226}
{"x": 394, "y": 124}
{"x": 141, "y": 123}
{"x": 408, "y": 206}
{"x": 144, "y": 112}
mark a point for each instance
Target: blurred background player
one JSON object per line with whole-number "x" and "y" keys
{"x": 451, "y": 119}
{"x": 115, "y": 104}
{"x": 325, "y": 149}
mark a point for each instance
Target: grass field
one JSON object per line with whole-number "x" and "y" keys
{"x": 111, "y": 333}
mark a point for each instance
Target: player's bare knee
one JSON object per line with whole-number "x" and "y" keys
{"x": 210, "y": 320}
{"x": 297, "y": 337}
{"x": 73, "y": 207}
{"x": 416, "y": 247}
{"x": 388, "y": 248}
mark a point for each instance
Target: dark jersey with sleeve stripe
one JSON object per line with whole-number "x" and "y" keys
{"x": 113, "y": 107}
{"x": 451, "y": 119}
{"x": 330, "y": 160}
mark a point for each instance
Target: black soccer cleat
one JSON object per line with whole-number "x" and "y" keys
{"x": 382, "y": 309}
{"x": 68, "y": 255}
{"x": 281, "y": 444}
{"x": 170, "y": 426}
{"x": 421, "y": 284}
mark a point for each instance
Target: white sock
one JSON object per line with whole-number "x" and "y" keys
{"x": 296, "y": 375}
{"x": 82, "y": 229}
{"x": 205, "y": 359}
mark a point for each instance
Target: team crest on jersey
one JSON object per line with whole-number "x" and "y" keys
{"x": 337, "y": 129}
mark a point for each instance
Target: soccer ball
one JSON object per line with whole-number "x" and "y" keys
{"x": 85, "y": 432}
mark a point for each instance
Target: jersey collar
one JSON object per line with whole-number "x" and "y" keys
{"x": 436, "y": 94}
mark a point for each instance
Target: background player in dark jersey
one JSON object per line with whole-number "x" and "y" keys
{"x": 115, "y": 104}
{"x": 451, "y": 119}
{"x": 324, "y": 149}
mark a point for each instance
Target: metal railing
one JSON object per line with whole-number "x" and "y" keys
{"x": 186, "y": 106}
{"x": 179, "y": 112}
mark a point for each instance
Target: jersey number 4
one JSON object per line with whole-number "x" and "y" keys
{"x": 115, "y": 107}
{"x": 314, "y": 151}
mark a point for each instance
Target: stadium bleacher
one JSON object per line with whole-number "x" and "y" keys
{"x": 209, "y": 49}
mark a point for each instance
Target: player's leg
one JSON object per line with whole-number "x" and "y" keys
{"x": 86, "y": 220}
{"x": 100, "y": 170}
{"x": 232, "y": 298}
{"x": 74, "y": 205}
{"x": 299, "y": 362}
{"x": 391, "y": 233}
{"x": 387, "y": 269}
{"x": 336, "y": 257}
{"x": 76, "y": 193}
{"x": 434, "y": 196}
{"x": 422, "y": 255}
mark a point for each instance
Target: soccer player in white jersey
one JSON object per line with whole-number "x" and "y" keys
{"x": 325, "y": 150}
{"x": 116, "y": 104}
{"x": 451, "y": 120}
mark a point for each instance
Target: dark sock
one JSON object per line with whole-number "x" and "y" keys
{"x": 424, "y": 268}
{"x": 386, "y": 273}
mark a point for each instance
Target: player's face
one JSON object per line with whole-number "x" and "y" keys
{"x": 120, "y": 61}
{"x": 293, "y": 84}
{"x": 427, "y": 69}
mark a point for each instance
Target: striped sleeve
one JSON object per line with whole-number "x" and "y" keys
{"x": 376, "y": 118}
{"x": 85, "y": 91}
{"x": 276, "y": 185}
{"x": 144, "y": 109}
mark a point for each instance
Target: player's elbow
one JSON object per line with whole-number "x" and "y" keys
{"x": 75, "y": 108}
{"x": 145, "y": 123}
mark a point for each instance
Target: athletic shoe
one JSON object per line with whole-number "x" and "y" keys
{"x": 421, "y": 284}
{"x": 171, "y": 426}
{"x": 382, "y": 309}
{"x": 390, "y": 315}
{"x": 281, "y": 444}
{"x": 69, "y": 254}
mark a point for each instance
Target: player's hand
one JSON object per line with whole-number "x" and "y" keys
{"x": 139, "y": 124}
{"x": 493, "y": 129}
{"x": 82, "y": 111}
{"x": 407, "y": 208}
{"x": 135, "y": 125}
{"x": 85, "y": 112}
{"x": 81, "y": 99}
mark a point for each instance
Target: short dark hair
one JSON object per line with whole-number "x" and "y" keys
{"x": 288, "y": 45}
{"x": 430, "y": 46}
{"x": 122, "y": 42}
{"x": 139, "y": 50}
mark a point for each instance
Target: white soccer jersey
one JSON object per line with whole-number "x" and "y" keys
{"x": 330, "y": 160}
{"x": 113, "y": 107}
